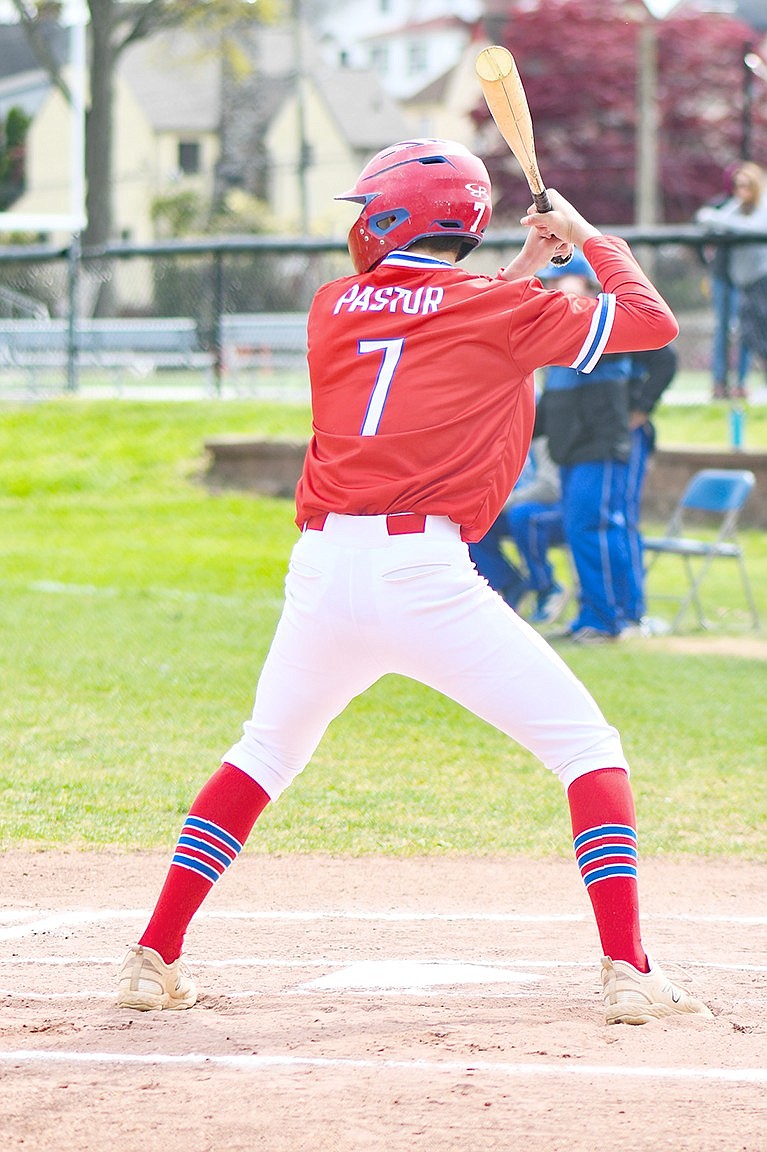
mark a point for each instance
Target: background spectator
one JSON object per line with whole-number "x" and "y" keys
{"x": 746, "y": 212}
{"x": 724, "y": 301}
{"x": 585, "y": 417}
{"x": 532, "y": 519}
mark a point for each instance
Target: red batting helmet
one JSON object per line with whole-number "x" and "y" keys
{"x": 415, "y": 189}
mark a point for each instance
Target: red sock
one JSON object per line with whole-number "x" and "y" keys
{"x": 219, "y": 822}
{"x": 604, "y": 833}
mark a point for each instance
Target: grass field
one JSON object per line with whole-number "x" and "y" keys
{"x": 136, "y": 609}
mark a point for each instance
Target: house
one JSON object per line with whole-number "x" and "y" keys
{"x": 329, "y": 126}
{"x": 296, "y": 132}
{"x": 409, "y": 44}
{"x": 421, "y": 51}
{"x": 166, "y": 128}
{"x": 184, "y": 122}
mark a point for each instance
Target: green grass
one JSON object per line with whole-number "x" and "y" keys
{"x": 135, "y": 611}
{"x": 707, "y": 425}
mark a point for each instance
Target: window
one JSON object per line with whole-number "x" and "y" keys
{"x": 189, "y": 157}
{"x": 379, "y": 59}
{"x": 417, "y": 57}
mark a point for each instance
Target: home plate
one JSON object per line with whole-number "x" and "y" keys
{"x": 388, "y": 974}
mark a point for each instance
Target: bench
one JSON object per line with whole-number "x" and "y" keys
{"x": 135, "y": 345}
{"x": 263, "y": 340}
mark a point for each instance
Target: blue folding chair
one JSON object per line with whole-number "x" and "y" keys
{"x": 718, "y": 495}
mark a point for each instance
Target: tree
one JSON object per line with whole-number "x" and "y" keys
{"x": 13, "y": 134}
{"x": 578, "y": 62}
{"x": 114, "y": 24}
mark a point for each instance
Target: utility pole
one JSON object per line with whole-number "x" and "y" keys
{"x": 753, "y": 66}
{"x": 647, "y": 201}
{"x": 304, "y": 152}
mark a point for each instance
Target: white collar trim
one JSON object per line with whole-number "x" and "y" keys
{"x": 403, "y": 259}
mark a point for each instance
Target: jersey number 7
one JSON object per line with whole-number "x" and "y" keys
{"x": 392, "y": 350}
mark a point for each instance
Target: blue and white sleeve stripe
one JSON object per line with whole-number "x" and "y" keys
{"x": 599, "y": 332}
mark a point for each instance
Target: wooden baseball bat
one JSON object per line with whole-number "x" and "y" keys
{"x": 505, "y": 97}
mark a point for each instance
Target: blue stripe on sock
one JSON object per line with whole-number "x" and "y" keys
{"x": 605, "y": 830}
{"x": 607, "y": 850}
{"x": 215, "y": 830}
{"x": 611, "y": 870}
{"x": 205, "y": 847}
{"x": 195, "y": 865}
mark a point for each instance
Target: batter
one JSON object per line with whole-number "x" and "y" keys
{"x": 423, "y": 405}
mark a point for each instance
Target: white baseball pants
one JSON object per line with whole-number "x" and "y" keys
{"x": 361, "y": 603}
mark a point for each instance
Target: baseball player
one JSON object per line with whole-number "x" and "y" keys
{"x": 423, "y": 403}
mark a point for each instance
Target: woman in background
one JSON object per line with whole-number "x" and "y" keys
{"x": 746, "y": 212}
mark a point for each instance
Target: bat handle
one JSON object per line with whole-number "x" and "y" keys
{"x": 543, "y": 204}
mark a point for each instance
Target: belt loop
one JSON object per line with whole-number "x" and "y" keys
{"x": 405, "y": 523}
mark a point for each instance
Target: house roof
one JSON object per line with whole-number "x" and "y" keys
{"x": 176, "y": 81}
{"x": 25, "y": 90}
{"x": 366, "y": 115}
{"x": 433, "y": 93}
{"x": 16, "y": 55}
{"x": 418, "y": 27}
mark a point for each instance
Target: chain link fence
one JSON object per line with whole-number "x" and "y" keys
{"x": 226, "y": 317}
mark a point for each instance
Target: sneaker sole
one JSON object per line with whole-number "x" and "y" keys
{"x": 623, "y": 1015}
{"x": 146, "y": 1002}
{"x": 643, "y": 1013}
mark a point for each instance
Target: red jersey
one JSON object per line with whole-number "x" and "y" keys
{"x": 422, "y": 379}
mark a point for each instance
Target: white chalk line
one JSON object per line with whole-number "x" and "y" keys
{"x": 344, "y": 961}
{"x": 441, "y": 992}
{"x": 52, "y": 921}
{"x": 255, "y": 1061}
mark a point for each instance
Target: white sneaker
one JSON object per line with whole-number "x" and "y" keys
{"x": 148, "y": 984}
{"x": 633, "y": 997}
{"x": 585, "y": 635}
{"x": 551, "y": 607}
{"x": 645, "y": 628}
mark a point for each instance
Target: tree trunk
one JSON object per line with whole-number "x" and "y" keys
{"x": 98, "y": 144}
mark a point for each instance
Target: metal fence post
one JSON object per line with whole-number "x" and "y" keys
{"x": 218, "y": 320}
{"x": 73, "y": 284}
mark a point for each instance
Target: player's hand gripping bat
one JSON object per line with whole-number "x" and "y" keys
{"x": 505, "y": 97}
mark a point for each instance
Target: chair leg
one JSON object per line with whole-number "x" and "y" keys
{"x": 749, "y": 594}
{"x": 692, "y": 596}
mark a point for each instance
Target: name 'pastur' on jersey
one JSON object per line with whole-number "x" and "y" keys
{"x": 389, "y": 299}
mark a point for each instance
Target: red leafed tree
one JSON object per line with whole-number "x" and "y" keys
{"x": 578, "y": 62}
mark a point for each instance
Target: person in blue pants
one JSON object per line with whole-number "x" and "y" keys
{"x": 725, "y": 303}
{"x": 586, "y": 420}
{"x": 651, "y": 374}
{"x": 535, "y": 527}
{"x": 532, "y": 520}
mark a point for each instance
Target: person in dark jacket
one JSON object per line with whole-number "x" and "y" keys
{"x": 586, "y": 420}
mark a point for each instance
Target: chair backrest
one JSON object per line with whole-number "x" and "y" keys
{"x": 718, "y": 490}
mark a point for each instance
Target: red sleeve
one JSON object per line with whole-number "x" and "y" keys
{"x": 643, "y": 319}
{"x": 553, "y": 327}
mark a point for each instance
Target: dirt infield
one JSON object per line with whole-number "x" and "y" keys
{"x": 359, "y": 1005}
